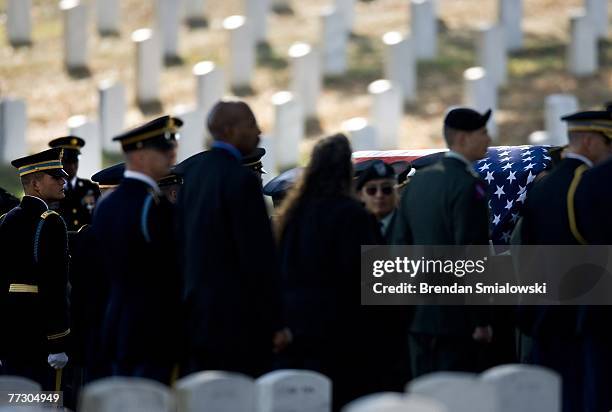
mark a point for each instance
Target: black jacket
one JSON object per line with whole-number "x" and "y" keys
{"x": 134, "y": 227}
{"x": 229, "y": 263}
{"x": 33, "y": 281}
{"x": 78, "y": 205}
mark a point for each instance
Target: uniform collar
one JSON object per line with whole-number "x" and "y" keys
{"x": 218, "y": 144}
{"x": 132, "y": 174}
{"x": 458, "y": 156}
{"x": 584, "y": 159}
{"x": 34, "y": 200}
{"x": 73, "y": 182}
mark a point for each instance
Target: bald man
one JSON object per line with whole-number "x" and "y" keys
{"x": 229, "y": 264}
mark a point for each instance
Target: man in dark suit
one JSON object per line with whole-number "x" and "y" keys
{"x": 134, "y": 225}
{"x": 557, "y": 343}
{"x": 33, "y": 301}
{"x": 81, "y": 194}
{"x": 231, "y": 276}
{"x": 446, "y": 204}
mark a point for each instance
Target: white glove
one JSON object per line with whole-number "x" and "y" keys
{"x": 57, "y": 360}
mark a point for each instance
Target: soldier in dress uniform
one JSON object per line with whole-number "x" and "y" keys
{"x": 33, "y": 280}
{"x": 134, "y": 223}
{"x": 557, "y": 341}
{"x": 81, "y": 194}
{"x": 446, "y": 204}
{"x": 170, "y": 185}
{"x": 253, "y": 162}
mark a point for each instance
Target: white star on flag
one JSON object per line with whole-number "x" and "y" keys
{"x": 529, "y": 166}
{"x": 507, "y": 166}
{"x": 484, "y": 167}
{"x": 500, "y": 191}
{"x": 522, "y": 197}
{"x": 489, "y": 177}
{"x": 515, "y": 217}
{"x": 522, "y": 189}
{"x": 505, "y": 159}
{"x": 526, "y": 153}
{"x": 509, "y": 204}
{"x": 496, "y": 219}
{"x": 506, "y": 236}
{"x": 511, "y": 176}
{"x": 528, "y": 159}
{"x": 530, "y": 177}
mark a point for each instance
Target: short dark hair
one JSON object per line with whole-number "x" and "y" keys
{"x": 450, "y": 135}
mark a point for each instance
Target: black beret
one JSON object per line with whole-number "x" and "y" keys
{"x": 466, "y": 119}
{"x": 376, "y": 170}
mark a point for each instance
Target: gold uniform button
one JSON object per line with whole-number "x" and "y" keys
{"x": 76, "y": 222}
{"x": 74, "y": 210}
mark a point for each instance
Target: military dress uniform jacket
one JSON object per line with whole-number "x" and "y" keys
{"x": 134, "y": 227}
{"x": 546, "y": 222}
{"x": 229, "y": 265}
{"x": 33, "y": 300}
{"x": 444, "y": 204}
{"x": 78, "y": 205}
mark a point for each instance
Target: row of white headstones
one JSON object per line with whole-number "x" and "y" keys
{"x": 506, "y": 388}
{"x": 308, "y": 65}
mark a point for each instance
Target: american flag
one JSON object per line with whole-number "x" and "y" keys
{"x": 509, "y": 172}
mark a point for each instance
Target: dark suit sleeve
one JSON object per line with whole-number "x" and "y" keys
{"x": 470, "y": 215}
{"x": 400, "y": 232}
{"x": 252, "y": 232}
{"x": 53, "y": 258}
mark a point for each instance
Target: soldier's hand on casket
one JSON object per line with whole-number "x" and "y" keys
{"x": 483, "y": 334}
{"x": 57, "y": 360}
{"x": 282, "y": 339}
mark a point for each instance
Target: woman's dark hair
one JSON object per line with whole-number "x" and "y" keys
{"x": 329, "y": 174}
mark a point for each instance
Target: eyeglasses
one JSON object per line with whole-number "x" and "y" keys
{"x": 385, "y": 190}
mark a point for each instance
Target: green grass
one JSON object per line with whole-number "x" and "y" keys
{"x": 9, "y": 181}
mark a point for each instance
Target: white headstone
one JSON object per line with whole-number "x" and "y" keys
{"x": 210, "y": 86}
{"x": 241, "y": 47}
{"x": 459, "y": 392}
{"x": 539, "y": 137}
{"x": 400, "y": 64}
{"x": 90, "y": 160}
{"x": 490, "y": 55}
{"x": 511, "y": 19}
{"x": 19, "y": 21}
{"x": 269, "y": 160}
{"x": 120, "y": 394}
{"x": 107, "y": 16}
{"x": 112, "y": 108}
{"x": 333, "y": 42}
{"x": 288, "y": 129}
{"x": 148, "y": 66}
{"x": 195, "y": 10}
{"x": 215, "y": 391}
{"x": 424, "y": 29}
{"x": 361, "y": 135}
{"x": 75, "y": 33}
{"x": 597, "y": 10}
{"x": 347, "y": 9}
{"x": 192, "y": 133}
{"x": 305, "y": 78}
{"x": 386, "y": 113}
{"x": 394, "y": 402}
{"x": 525, "y": 388}
{"x": 582, "y": 50}
{"x": 555, "y": 107}
{"x": 293, "y": 390}
{"x": 19, "y": 384}
{"x": 256, "y": 12}
{"x": 481, "y": 95}
{"x": 168, "y": 21}
{"x": 13, "y": 124}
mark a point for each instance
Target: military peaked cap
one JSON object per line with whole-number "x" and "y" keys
{"x": 160, "y": 133}
{"x": 48, "y": 161}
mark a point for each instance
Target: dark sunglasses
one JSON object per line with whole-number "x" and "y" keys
{"x": 385, "y": 190}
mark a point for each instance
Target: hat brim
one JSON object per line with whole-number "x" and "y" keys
{"x": 57, "y": 173}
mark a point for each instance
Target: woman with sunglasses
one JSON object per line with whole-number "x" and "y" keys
{"x": 376, "y": 189}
